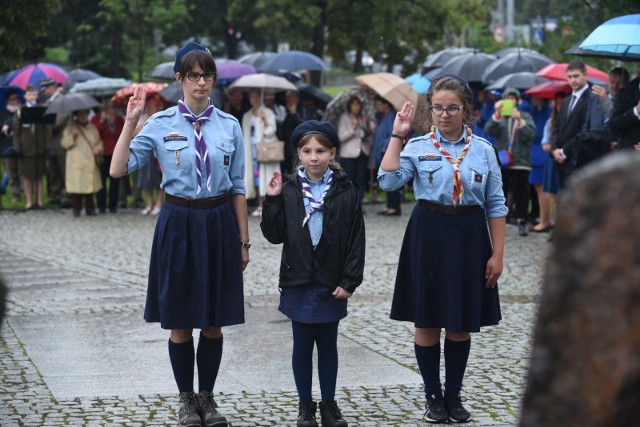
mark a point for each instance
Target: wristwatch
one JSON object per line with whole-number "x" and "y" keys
{"x": 245, "y": 245}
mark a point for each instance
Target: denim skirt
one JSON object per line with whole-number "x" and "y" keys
{"x": 312, "y": 303}
{"x": 440, "y": 281}
{"x": 195, "y": 274}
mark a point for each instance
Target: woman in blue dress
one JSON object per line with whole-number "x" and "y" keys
{"x": 450, "y": 259}
{"x": 201, "y": 242}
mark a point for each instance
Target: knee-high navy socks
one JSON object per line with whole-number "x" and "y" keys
{"x": 456, "y": 355}
{"x": 208, "y": 358}
{"x": 181, "y": 356}
{"x": 325, "y": 336}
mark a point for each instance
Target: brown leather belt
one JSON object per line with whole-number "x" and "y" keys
{"x": 210, "y": 202}
{"x": 449, "y": 209}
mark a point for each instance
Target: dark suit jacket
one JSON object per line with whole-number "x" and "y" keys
{"x": 623, "y": 123}
{"x": 567, "y": 129}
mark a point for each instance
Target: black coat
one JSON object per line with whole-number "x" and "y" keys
{"x": 623, "y": 122}
{"x": 338, "y": 259}
{"x": 569, "y": 125}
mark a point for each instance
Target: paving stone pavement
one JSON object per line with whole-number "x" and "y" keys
{"x": 75, "y": 351}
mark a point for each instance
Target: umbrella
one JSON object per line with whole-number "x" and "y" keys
{"x": 339, "y": 104}
{"x": 163, "y": 70}
{"x": 78, "y": 75}
{"x": 173, "y": 93}
{"x": 33, "y": 73}
{"x": 121, "y": 97}
{"x": 515, "y": 49}
{"x": 522, "y": 80}
{"x": 432, "y": 73}
{"x": 103, "y": 86}
{"x": 72, "y": 102}
{"x": 559, "y": 72}
{"x": 293, "y": 60}
{"x": 308, "y": 91}
{"x": 439, "y": 58}
{"x": 513, "y": 63}
{"x": 549, "y": 90}
{"x": 391, "y": 87}
{"x": 576, "y": 50}
{"x": 620, "y": 35}
{"x": 257, "y": 58}
{"x": 263, "y": 81}
{"x": 229, "y": 70}
{"x": 469, "y": 66}
{"x": 419, "y": 82}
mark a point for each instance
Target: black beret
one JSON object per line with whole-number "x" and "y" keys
{"x": 189, "y": 47}
{"x": 47, "y": 82}
{"x": 325, "y": 129}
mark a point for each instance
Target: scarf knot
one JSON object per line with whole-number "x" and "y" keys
{"x": 458, "y": 188}
{"x": 316, "y": 205}
{"x": 202, "y": 154}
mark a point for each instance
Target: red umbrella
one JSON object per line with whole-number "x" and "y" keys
{"x": 122, "y": 96}
{"x": 33, "y": 73}
{"x": 559, "y": 72}
{"x": 549, "y": 90}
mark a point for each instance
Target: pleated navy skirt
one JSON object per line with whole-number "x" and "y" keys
{"x": 440, "y": 281}
{"x": 195, "y": 275}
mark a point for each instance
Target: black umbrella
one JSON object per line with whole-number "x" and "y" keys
{"x": 257, "y": 58}
{"x": 513, "y": 63}
{"x": 469, "y": 66}
{"x": 163, "y": 70}
{"x": 522, "y": 81}
{"x": 72, "y": 102}
{"x": 308, "y": 91}
{"x": 439, "y": 58}
{"x": 515, "y": 49}
{"x": 81, "y": 75}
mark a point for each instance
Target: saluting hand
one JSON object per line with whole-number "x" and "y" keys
{"x": 135, "y": 107}
{"x": 275, "y": 184}
{"x": 402, "y": 122}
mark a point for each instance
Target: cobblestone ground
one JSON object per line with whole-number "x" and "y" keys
{"x": 106, "y": 259}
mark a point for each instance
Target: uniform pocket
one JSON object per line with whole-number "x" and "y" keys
{"x": 175, "y": 154}
{"x": 431, "y": 173}
{"x": 478, "y": 178}
{"x": 224, "y": 150}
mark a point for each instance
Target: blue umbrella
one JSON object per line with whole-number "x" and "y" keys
{"x": 419, "y": 82}
{"x": 620, "y": 36}
{"x": 293, "y": 60}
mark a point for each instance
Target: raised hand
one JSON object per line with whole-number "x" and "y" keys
{"x": 135, "y": 107}
{"x": 402, "y": 122}
{"x": 275, "y": 184}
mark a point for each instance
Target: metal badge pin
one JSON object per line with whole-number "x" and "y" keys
{"x": 431, "y": 177}
{"x": 177, "y": 153}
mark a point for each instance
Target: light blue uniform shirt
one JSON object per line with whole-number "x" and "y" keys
{"x": 169, "y": 136}
{"x": 315, "y": 220}
{"x": 433, "y": 173}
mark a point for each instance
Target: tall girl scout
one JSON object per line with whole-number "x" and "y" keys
{"x": 316, "y": 213}
{"x": 201, "y": 241}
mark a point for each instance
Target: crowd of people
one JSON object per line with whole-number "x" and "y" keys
{"x": 486, "y": 160}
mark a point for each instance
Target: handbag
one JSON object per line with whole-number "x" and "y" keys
{"x": 270, "y": 152}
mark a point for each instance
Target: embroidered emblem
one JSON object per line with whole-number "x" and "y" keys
{"x": 477, "y": 177}
{"x": 226, "y": 160}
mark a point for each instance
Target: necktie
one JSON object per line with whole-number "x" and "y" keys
{"x": 201, "y": 146}
{"x": 306, "y": 192}
{"x": 458, "y": 189}
{"x": 574, "y": 99}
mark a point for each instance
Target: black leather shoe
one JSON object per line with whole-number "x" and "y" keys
{"x": 453, "y": 404}
{"x": 307, "y": 414}
{"x": 436, "y": 412}
{"x": 330, "y": 414}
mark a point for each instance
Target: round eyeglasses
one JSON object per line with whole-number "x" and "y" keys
{"x": 451, "y": 110}
{"x": 195, "y": 77}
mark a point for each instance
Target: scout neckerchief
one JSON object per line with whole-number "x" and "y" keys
{"x": 201, "y": 147}
{"x": 306, "y": 192}
{"x": 458, "y": 189}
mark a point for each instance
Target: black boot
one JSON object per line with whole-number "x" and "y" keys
{"x": 188, "y": 413}
{"x": 330, "y": 413}
{"x": 208, "y": 412}
{"x": 307, "y": 414}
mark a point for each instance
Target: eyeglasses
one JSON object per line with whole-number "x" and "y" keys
{"x": 451, "y": 110}
{"x": 195, "y": 77}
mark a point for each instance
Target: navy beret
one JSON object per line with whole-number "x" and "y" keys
{"x": 325, "y": 129}
{"x": 189, "y": 47}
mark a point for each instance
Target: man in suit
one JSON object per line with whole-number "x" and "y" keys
{"x": 625, "y": 118}
{"x": 570, "y": 121}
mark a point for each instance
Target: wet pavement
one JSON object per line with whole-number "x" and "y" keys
{"x": 74, "y": 349}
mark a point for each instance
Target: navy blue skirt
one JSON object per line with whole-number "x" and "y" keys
{"x": 440, "y": 281}
{"x": 312, "y": 303}
{"x": 195, "y": 275}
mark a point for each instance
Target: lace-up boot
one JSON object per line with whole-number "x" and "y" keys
{"x": 188, "y": 412}
{"x": 330, "y": 413}
{"x": 208, "y": 412}
{"x": 307, "y": 414}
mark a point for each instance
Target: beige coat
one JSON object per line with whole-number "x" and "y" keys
{"x": 82, "y": 173}
{"x": 265, "y": 132}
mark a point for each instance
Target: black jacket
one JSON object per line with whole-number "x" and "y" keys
{"x": 338, "y": 259}
{"x": 569, "y": 125}
{"x": 623, "y": 122}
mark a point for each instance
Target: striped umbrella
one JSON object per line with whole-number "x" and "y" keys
{"x": 33, "y": 73}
